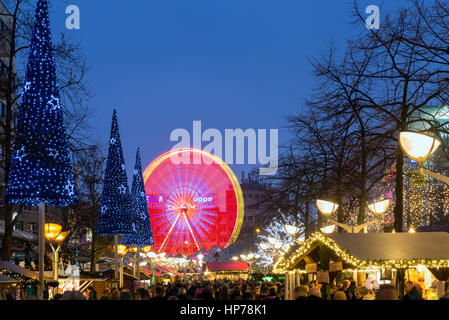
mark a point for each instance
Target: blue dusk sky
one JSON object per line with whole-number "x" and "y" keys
{"x": 231, "y": 64}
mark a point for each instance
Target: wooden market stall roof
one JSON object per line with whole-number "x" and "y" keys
{"x": 362, "y": 250}
{"x": 16, "y": 271}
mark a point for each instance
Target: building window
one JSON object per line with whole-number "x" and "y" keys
{"x": 33, "y": 227}
{"x": 18, "y": 226}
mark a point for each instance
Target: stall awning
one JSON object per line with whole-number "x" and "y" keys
{"x": 165, "y": 269}
{"x": 17, "y": 234}
{"x": 149, "y": 272}
{"x": 228, "y": 266}
{"x": 48, "y": 275}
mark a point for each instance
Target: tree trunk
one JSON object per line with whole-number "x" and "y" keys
{"x": 7, "y": 238}
{"x": 399, "y": 190}
{"x": 363, "y": 193}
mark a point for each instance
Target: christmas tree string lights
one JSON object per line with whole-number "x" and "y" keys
{"x": 115, "y": 204}
{"x": 41, "y": 166}
{"x": 143, "y": 236}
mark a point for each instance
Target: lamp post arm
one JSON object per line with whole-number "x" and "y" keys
{"x": 358, "y": 228}
{"x": 435, "y": 175}
{"x": 344, "y": 226}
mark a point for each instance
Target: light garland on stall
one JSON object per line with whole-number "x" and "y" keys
{"x": 21, "y": 278}
{"x": 284, "y": 263}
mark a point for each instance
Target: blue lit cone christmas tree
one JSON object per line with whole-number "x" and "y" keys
{"x": 41, "y": 169}
{"x": 115, "y": 217}
{"x": 143, "y": 237}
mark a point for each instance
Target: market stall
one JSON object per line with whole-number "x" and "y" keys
{"x": 230, "y": 270}
{"x": 370, "y": 259}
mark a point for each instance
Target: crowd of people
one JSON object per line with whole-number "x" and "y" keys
{"x": 248, "y": 290}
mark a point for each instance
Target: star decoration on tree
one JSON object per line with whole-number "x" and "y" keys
{"x": 20, "y": 154}
{"x": 136, "y": 172}
{"x": 113, "y": 141}
{"x": 54, "y": 103}
{"x": 27, "y": 86}
{"x": 53, "y": 153}
{"x": 123, "y": 167}
{"x": 70, "y": 188}
{"x": 122, "y": 189}
{"x": 103, "y": 209}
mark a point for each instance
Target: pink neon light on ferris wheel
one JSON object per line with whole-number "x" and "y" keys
{"x": 192, "y": 205}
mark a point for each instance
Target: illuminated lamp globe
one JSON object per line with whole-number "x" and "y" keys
{"x": 272, "y": 240}
{"x": 62, "y": 236}
{"x": 250, "y": 256}
{"x": 328, "y": 229}
{"x": 243, "y": 256}
{"x": 52, "y": 231}
{"x": 133, "y": 249}
{"x": 290, "y": 229}
{"x": 147, "y": 249}
{"x": 418, "y": 146}
{"x": 278, "y": 245}
{"x": 263, "y": 246}
{"x": 121, "y": 249}
{"x": 326, "y": 207}
{"x": 151, "y": 254}
{"x": 379, "y": 207}
{"x": 162, "y": 255}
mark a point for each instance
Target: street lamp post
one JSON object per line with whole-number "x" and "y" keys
{"x": 378, "y": 208}
{"x": 121, "y": 250}
{"x": 54, "y": 233}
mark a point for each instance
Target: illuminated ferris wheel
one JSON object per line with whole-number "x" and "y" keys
{"x": 195, "y": 201}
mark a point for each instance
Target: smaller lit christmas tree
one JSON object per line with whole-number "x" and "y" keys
{"x": 143, "y": 236}
{"x": 115, "y": 217}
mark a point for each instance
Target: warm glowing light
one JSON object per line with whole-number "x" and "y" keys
{"x": 263, "y": 246}
{"x": 147, "y": 249}
{"x": 379, "y": 207}
{"x": 122, "y": 249}
{"x": 272, "y": 240}
{"x": 162, "y": 254}
{"x": 290, "y": 229}
{"x": 328, "y": 229}
{"x": 411, "y": 230}
{"x": 250, "y": 256}
{"x": 151, "y": 255}
{"x": 326, "y": 207}
{"x": 278, "y": 245}
{"x": 133, "y": 249}
{"x": 235, "y": 258}
{"x": 418, "y": 146}
{"x": 257, "y": 230}
{"x": 62, "y": 236}
{"x": 52, "y": 231}
{"x": 243, "y": 256}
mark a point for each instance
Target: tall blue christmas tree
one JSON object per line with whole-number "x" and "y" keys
{"x": 115, "y": 217}
{"x": 142, "y": 236}
{"x": 41, "y": 167}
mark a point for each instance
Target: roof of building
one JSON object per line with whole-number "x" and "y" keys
{"x": 228, "y": 266}
{"x": 48, "y": 275}
{"x": 364, "y": 249}
{"x": 394, "y": 246}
